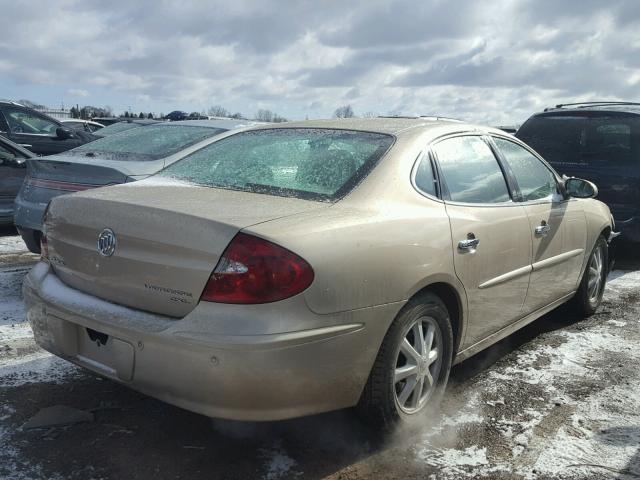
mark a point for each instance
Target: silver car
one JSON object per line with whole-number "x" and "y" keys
{"x": 127, "y": 156}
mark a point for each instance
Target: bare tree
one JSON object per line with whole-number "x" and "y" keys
{"x": 218, "y": 111}
{"x": 269, "y": 116}
{"x": 264, "y": 115}
{"x": 344, "y": 112}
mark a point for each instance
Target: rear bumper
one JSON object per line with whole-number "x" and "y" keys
{"x": 28, "y": 215}
{"x": 243, "y": 377}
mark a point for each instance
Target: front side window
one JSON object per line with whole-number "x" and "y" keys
{"x": 21, "y": 121}
{"x": 147, "y": 143}
{"x": 319, "y": 164}
{"x": 470, "y": 171}
{"x": 535, "y": 180}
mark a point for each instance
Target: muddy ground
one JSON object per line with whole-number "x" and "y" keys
{"x": 559, "y": 399}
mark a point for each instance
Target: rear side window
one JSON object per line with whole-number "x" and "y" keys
{"x": 425, "y": 179}
{"x": 470, "y": 170}
{"x": 583, "y": 138}
{"x": 535, "y": 180}
{"x": 148, "y": 143}
{"x": 309, "y": 163}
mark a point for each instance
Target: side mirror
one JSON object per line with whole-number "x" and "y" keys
{"x": 14, "y": 162}
{"x": 64, "y": 133}
{"x": 579, "y": 188}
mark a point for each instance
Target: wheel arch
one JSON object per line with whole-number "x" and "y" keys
{"x": 454, "y": 303}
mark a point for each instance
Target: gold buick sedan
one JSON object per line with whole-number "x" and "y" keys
{"x": 291, "y": 270}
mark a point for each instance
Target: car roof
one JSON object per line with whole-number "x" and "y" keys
{"x": 386, "y": 125}
{"x": 226, "y": 124}
{"x": 79, "y": 120}
{"x": 141, "y": 121}
{"x": 614, "y": 107}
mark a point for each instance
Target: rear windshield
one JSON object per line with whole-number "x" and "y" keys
{"x": 118, "y": 127}
{"x": 583, "y": 139}
{"x": 318, "y": 164}
{"x": 150, "y": 142}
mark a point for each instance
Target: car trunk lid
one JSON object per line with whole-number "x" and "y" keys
{"x": 169, "y": 237}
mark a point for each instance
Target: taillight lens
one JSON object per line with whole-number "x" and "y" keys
{"x": 254, "y": 270}
{"x": 44, "y": 248}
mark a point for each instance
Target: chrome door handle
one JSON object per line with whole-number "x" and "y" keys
{"x": 25, "y": 145}
{"x": 543, "y": 229}
{"x": 470, "y": 244}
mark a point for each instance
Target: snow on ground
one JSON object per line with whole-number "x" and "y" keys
{"x": 21, "y": 361}
{"x": 12, "y": 244}
{"x": 571, "y": 433}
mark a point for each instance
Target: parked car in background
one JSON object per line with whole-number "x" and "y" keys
{"x": 124, "y": 125}
{"x": 106, "y": 121}
{"x": 512, "y": 129}
{"x": 127, "y": 156}
{"x": 13, "y": 165}
{"x": 598, "y": 141}
{"x": 291, "y": 270}
{"x": 176, "y": 115}
{"x": 83, "y": 125}
{"x": 38, "y": 132}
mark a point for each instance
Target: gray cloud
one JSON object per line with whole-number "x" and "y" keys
{"x": 493, "y": 61}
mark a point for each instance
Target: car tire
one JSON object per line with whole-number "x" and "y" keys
{"x": 384, "y": 402}
{"x": 589, "y": 295}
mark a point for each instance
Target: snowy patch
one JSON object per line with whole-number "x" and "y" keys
{"x": 620, "y": 282}
{"x": 38, "y": 367}
{"x": 604, "y": 433}
{"x": 13, "y": 244}
{"x": 11, "y": 306}
{"x": 279, "y": 464}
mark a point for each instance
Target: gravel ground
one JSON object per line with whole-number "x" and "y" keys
{"x": 558, "y": 399}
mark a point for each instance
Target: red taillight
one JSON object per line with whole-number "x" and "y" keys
{"x": 44, "y": 248}
{"x": 254, "y": 270}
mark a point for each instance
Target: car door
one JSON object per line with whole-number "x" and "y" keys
{"x": 490, "y": 233}
{"x": 12, "y": 171}
{"x": 557, "y": 225}
{"x": 37, "y": 132}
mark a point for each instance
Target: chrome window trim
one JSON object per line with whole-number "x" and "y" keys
{"x": 425, "y": 155}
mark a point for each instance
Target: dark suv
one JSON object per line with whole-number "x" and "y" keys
{"x": 38, "y": 132}
{"x": 597, "y": 141}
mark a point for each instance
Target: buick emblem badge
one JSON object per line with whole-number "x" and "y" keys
{"x": 107, "y": 242}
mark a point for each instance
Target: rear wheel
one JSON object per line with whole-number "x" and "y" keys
{"x": 589, "y": 294}
{"x": 412, "y": 367}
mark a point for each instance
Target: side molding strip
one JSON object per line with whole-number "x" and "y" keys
{"x": 505, "y": 277}
{"x": 550, "y": 262}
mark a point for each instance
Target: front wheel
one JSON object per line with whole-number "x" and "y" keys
{"x": 589, "y": 294}
{"x": 412, "y": 367}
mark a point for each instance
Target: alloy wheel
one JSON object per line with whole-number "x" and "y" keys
{"x": 594, "y": 283}
{"x": 418, "y": 364}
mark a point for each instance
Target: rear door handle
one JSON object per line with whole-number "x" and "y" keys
{"x": 470, "y": 244}
{"x": 543, "y": 229}
{"x": 25, "y": 145}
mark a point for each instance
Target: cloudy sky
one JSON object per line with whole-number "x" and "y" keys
{"x": 493, "y": 62}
